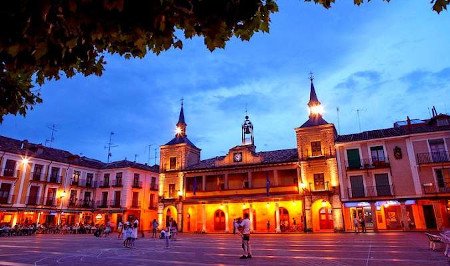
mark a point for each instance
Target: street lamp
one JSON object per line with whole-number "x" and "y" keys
{"x": 61, "y": 196}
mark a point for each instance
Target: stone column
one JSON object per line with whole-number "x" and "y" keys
{"x": 403, "y": 216}
{"x": 225, "y": 180}
{"x": 275, "y": 178}
{"x": 22, "y": 181}
{"x": 203, "y": 183}
{"x": 373, "y": 209}
{"x": 180, "y": 217}
{"x": 160, "y": 215}
{"x": 250, "y": 212}
{"x": 38, "y": 218}
{"x": 277, "y": 218}
{"x": 203, "y": 217}
{"x": 308, "y": 213}
{"x": 336, "y": 211}
{"x": 227, "y": 218}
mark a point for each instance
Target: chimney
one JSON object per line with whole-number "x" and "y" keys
{"x": 24, "y": 144}
{"x": 408, "y": 123}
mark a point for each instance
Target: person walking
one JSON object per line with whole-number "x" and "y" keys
{"x": 155, "y": 225}
{"x": 135, "y": 231}
{"x": 120, "y": 230}
{"x": 167, "y": 236}
{"x": 356, "y": 223}
{"x": 362, "y": 221}
{"x": 245, "y": 225}
{"x": 234, "y": 226}
{"x": 268, "y": 226}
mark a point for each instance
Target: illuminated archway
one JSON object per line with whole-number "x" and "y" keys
{"x": 170, "y": 212}
{"x": 285, "y": 223}
{"x": 322, "y": 216}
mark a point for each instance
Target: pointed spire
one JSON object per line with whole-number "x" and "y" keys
{"x": 313, "y": 101}
{"x": 181, "y": 125}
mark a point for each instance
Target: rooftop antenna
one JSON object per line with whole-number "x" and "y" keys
{"x": 110, "y": 145}
{"x": 155, "y": 156}
{"x": 149, "y": 153}
{"x": 339, "y": 125}
{"x": 358, "y": 111}
{"x": 135, "y": 157}
{"x": 52, "y": 137}
{"x": 429, "y": 112}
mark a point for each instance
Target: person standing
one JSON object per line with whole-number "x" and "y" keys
{"x": 135, "y": 231}
{"x": 245, "y": 224}
{"x": 167, "y": 236}
{"x": 356, "y": 223}
{"x": 362, "y": 221}
{"x": 155, "y": 225}
{"x": 268, "y": 226}
{"x": 120, "y": 229}
{"x": 234, "y": 226}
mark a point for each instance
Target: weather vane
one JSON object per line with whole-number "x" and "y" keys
{"x": 311, "y": 76}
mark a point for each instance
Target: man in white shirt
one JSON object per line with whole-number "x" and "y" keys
{"x": 245, "y": 225}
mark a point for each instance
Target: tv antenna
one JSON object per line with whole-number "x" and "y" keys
{"x": 358, "y": 114}
{"x": 339, "y": 125}
{"x": 155, "y": 156}
{"x": 110, "y": 145}
{"x": 52, "y": 137}
{"x": 135, "y": 157}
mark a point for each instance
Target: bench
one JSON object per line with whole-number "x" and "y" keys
{"x": 433, "y": 239}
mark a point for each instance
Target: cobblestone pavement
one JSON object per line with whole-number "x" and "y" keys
{"x": 215, "y": 249}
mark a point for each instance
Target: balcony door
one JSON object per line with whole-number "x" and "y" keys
{"x": 382, "y": 185}
{"x": 117, "y": 198}
{"x": 104, "y": 198}
{"x": 33, "y": 196}
{"x": 354, "y": 161}
{"x": 377, "y": 155}
{"x": 319, "y": 182}
{"x": 357, "y": 186}
{"x": 10, "y": 167}
{"x": 437, "y": 149}
{"x": 5, "y": 189}
{"x": 51, "y": 195}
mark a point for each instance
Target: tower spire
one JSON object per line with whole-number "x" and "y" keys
{"x": 181, "y": 125}
{"x": 314, "y": 105}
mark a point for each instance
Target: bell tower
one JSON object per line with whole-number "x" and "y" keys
{"x": 247, "y": 132}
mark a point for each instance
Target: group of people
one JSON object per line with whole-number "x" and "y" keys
{"x": 18, "y": 230}
{"x": 359, "y": 221}
{"x": 128, "y": 231}
{"x": 242, "y": 227}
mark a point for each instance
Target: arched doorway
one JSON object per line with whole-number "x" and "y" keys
{"x": 325, "y": 218}
{"x": 170, "y": 213}
{"x": 219, "y": 220}
{"x": 284, "y": 219}
{"x": 254, "y": 216}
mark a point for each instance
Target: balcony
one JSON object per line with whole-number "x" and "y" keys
{"x": 233, "y": 193}
{"x": 102, "y": 204}
{"x": 55, "y": 179}
{"x": 432, "y": 157}
{"x": 50, "y": 201}
{"x": 80, "y": 203}
{"x": 115, "y": 204}
{"x": 135, "y": 204}
{"x": 367, "y": 164}
{"x": 117, "y": 183}
{"x": 37, "y": 177}
{"x": 6, "y": 198}
{"x": 137, "y": 184}
{"x": 152, "y": 207}
{"x": 432, "y": 189}
{"x": 7, "y": 172}
{"x": 371, "y": 192}
{"x": 104, "y": 184}
{"x": 315, "y": 156}
{"x": 33, "y": 201}
{"x": 72, "y": 203}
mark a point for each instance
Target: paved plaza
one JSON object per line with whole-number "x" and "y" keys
{"x": 214, "y": 249}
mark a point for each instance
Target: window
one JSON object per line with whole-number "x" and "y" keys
{"x": 357, "y": 186}
{"x": 443, "y": 179}
{"x": 319, "y": 182}
{"x": 106, "y": 180}
{"x": 37, "y": 172}
{"x": 152, "y": 201}
{"x": 136, "y": 180}
{"x": 245, "y": 183}
{"x": 353, "y": 159}
{"x": 437, "y": 148}
{"x": 104, "y": 199}
{"x": 316, "y": 148}
{"x": 10, "y": 167}
{"x": 73, "y": 198}
{"x": 54, "y": 174}
{"x": 153, "y": 183}
{"x": 173, "y": 163}
{"x": 5, "y": 190}
{"x": 382, "y": 185}
{"x": 89, "y": 179}
{"x": 377, "y": 155}
{"x": 116, "y": 199}
{"x": 119, "y": 179}
{"x": 172, "y": 191}
{"x": 76, "y": 177}
{"x": 135, "y": 200}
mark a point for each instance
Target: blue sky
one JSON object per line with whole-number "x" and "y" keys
{"x": 388, "y": 60}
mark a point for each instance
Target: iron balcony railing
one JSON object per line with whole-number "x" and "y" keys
{"x": 6, "y": 198}
{"x": 8, "y": 172}
{"x": 433, "y": 157}
{"x": 135, "y": 204}
{"x": 115, "y": 204}
{"x": 33, "y": 200}
{"x": 37, "y": 176}
{"x": 104, "y": 184}
{"x": 374, "y": 162}
{"x": 117, "y": 183}
{"x": 371, "y": 191}
{"x": 442, "y": 187}
{"x": 50, "y": 201}
{"x": 54, "y": 179}
{"x": 81, "y": 203}
{"x": 137, "y": 184}
{"x": 102, "y": 204}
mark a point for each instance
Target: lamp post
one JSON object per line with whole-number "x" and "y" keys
{"x": 61, "y": 196}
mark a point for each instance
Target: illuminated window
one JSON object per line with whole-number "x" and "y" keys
{"x": 319, "y": 182}
{"x": 173, "y": 163}
{"x": 316, "y": 148}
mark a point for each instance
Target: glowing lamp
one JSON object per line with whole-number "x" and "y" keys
{"x": 303, "y": 185}
{"x": 267, "y": 205}
{"x": 178, "y": 130}
{"x": 63, "y": 194}
{"x": 25, "y": 160}
{"x": 180, "y": 193}
{"x": 316, "y": 109}
{"x": 324, "y": 203}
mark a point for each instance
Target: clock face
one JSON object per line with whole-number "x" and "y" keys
{"x": 237, "y": 157}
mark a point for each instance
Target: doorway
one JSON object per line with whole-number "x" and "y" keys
{"x": 219, "y": 221}
{"x": 428, "y": 213}
{"x": 325, "y": 218}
